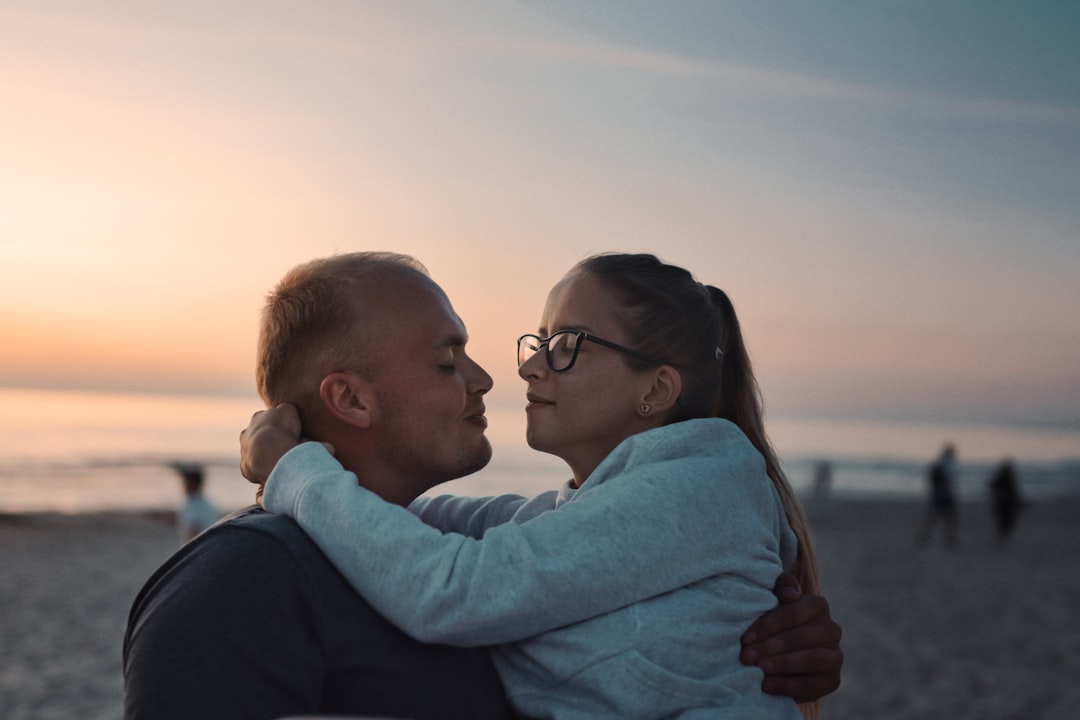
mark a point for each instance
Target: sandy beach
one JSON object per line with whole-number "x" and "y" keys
{"x": 977, "y": 631}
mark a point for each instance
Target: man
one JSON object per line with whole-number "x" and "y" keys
{"x": 941, "y": 476}
{"x": 250, "y": 621}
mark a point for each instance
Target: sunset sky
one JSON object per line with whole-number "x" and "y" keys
{"x": 890, "y": 191}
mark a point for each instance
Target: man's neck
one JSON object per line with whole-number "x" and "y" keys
{"x": 380, "y": 478}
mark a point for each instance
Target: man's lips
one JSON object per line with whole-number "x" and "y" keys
{"x": 477, "y": 418}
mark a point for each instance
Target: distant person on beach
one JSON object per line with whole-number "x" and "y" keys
{"x": 1005, "y": 499}
{"x": 625, "y": 592}
{"x": 196, "y": 513}
{"x": 942, "y": 506}
{"x": 822, "y": 489}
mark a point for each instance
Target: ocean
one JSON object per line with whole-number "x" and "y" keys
{"x": 75, "y": 452}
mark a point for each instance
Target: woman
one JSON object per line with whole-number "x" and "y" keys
{"x": 661, "y": 549}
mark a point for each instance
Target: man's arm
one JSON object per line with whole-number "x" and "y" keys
{"x": 796, "y": 645}
{"x": 223, "y": 630}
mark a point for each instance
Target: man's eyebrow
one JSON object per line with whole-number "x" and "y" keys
{"x": 453, "y": 340}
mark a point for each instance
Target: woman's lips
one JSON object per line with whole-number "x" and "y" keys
{"x": 535, "y": 401}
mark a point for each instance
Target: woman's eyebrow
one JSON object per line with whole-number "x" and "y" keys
{"x": 565, "y": 328}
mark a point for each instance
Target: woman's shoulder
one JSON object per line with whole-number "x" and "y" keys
{"x": 700, "y": 437}
{"x": 704, "y": 447}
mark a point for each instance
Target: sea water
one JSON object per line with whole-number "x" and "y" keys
{"x": 84, "y": 451}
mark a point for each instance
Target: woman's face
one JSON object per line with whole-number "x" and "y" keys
{"x": 581, "y": 414}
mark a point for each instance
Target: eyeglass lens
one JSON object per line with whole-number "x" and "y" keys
{"x": 528, "y": 345}
{"x": 561, "y": 349}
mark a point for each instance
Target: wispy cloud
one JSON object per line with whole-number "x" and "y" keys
{"x": 770, "y": 84}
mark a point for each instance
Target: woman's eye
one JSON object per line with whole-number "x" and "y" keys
{"x": 563, "y": 344}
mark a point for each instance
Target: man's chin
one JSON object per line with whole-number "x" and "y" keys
{"x": 475, "y": 461}
{"x": 467, "y": 467}
{"x": 467, "y": 462}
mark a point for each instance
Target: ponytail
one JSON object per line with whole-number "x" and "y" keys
{"x": 740, "y": 402}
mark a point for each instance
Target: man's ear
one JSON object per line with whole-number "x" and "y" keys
{"x": 664, "y": 391}
{"x": 348, "y": 397}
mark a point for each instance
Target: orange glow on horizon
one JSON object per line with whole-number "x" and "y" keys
{"x": 163, "y": 168}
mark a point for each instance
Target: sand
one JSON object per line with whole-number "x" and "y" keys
{"x": 978, "y": 631}
{"x": 66, "y": 584}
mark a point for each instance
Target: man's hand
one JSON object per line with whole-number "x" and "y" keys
{"x": 269, "y": 435}
{"x": 796, "y": 644}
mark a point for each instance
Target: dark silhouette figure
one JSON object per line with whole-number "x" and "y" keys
{"x": 822, "y": 481}
{"x": 942, "y": 499}
{"x": 1005, "y": 499}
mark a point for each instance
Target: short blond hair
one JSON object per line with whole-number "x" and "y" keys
{"x": 313, "y": 324}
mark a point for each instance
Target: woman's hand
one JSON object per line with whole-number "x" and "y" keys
{"x": 269, "y": 435}
{"x": 796, "y": 645}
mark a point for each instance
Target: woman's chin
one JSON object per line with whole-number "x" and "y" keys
{"x": 537, "y": 442}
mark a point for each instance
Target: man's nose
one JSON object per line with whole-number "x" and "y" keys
{"x": 480, "y": 381}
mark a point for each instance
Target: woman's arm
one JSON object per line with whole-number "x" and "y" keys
{"x": 632, "y": 539}
{"x": 469, "y": 516}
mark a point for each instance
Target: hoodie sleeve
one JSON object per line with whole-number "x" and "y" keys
{"x": 655, "y": 527}
{"x": 470, "y": 516}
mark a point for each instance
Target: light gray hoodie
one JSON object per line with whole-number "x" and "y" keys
{"x": 625, "y": 598}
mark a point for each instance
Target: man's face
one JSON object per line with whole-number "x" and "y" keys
{"x": 429, "y": 419}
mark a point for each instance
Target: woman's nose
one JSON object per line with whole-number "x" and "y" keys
{"x": 533, "y": 367}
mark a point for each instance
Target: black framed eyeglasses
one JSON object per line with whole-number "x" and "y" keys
{"x": 561, "y": 348}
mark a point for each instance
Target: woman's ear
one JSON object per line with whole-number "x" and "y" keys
{"x": 348, "y": 398}
{"x": 664, "y": 391}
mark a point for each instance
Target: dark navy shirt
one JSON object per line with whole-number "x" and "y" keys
{"x": 251, "y": 621}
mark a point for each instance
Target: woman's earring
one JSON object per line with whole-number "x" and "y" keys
{"x": 644, "y": 409}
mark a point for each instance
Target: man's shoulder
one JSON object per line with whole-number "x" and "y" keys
{"x": 256, "y": 518}
{"x": 253, "y": 527}
{"x": 247, "y": 543}
{"x": 248, "y": 549}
